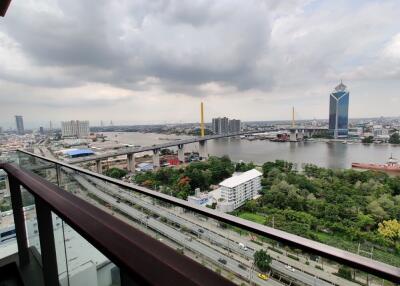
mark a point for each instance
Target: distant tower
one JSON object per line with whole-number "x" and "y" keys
{"x": 339, "y": 111}
{"x": 202, "y": 119}
{"x": 111, "y": 123}
{"x": 19, "y": 122}
{"x": 101, "y": 123}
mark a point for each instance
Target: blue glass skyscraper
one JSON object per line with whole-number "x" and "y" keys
{"x": 339, "y": 111}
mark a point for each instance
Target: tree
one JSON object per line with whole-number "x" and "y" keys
{"x": 262, "y": 260}
{"x": 243, "y": 167}
{"x": 115, "y": 173}
{"x": 394, "y": 138}
{"x": 368, "y": 139}
{"x": 390, "y": 229}
{"x": 376, "y": 210}
{"x": 166, "y": 152}
{"x": 365, "y": 222}
{"x": 344, "y": 272}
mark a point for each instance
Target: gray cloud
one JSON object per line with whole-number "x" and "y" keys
{"x": 273, "y": 50}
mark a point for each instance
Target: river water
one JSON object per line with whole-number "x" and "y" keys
{"x": 330, "y": 155}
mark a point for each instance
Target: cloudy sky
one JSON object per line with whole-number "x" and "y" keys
{"x": 141, "y": 61}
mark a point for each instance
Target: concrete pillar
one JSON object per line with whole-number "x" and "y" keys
{"x": 203, "y": 149}
{"x": 156, "y": 158}
{"x": 131, "y": 162}
{"x": 99, "y": 167}
{"x": 300, "y": 135}
{"x": 293, "y": 135}
{"x": 181, "y": 153}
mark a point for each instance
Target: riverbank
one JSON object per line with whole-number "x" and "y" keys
{"x": 321, "y": 153}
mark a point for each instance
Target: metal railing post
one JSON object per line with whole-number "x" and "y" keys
{"x": 126, "y": 280}
{"x": 19, "y": 220}
{"x": 47, "y": 244}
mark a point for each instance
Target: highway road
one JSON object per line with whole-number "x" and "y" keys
{"x": 185, "y": 240}
{"x": 202, "y": 232}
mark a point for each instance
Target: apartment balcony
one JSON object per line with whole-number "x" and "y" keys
{"x": 76, "y": 227}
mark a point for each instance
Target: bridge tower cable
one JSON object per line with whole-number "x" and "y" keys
{"x": 293, "y": 122}
{"x": 202, "y": 119}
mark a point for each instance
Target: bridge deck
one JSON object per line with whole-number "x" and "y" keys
{"x": 133, "y": 150}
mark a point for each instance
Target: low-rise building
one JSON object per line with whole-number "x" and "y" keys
{"x": 144, "y": 167}
{"x": 199, "y": 198}
{"x": 238, "y": 189}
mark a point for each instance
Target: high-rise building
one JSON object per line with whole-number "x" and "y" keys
{"x": 234, "y": 125}
{"x": 220, "y": 125}
{"x": 75, "y": 128}
{"x": 19, "y": 122}
{"x": 339, "y": 111}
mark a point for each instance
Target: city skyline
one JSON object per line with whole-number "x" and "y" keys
{"x": 286, "y": 55}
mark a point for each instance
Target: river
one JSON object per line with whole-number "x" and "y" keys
{"x": 330, "y": 155}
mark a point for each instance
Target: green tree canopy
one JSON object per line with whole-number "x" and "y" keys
{"x": 394, "y": 138}
{"x": 262, "y": 260}
{"x": 116, "y": 173}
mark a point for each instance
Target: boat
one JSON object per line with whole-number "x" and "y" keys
{"x": 391, "y": 165}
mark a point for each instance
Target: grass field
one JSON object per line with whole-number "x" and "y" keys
{"x": 253, "y": 217}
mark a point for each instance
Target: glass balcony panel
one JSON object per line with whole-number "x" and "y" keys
{"x": 8, "y": 242}
{"x": 84, "y": 264}
{"x": 32, "y": 230}
{"x": 229, "y": 250}
{"x": 43, "y": 168}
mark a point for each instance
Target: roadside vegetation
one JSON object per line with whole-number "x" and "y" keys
{"x": 116, "y": 173}
{"x": 262, "y": 260}
{"x": 183, "y": 181}
{"x": 342, "y": 208}
{"x": 348, "y": 209}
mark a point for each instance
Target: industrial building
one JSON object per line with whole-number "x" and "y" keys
{"x": 145, "y": 167}
{"x": 75, "y": 153}
{"x": 75, "y": 128}
{"x": 238, "y": 189}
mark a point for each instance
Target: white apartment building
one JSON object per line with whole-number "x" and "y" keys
{"x": 75, "y": 128}
{"x": 236, "y": 190}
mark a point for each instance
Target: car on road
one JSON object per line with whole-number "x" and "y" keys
{"x": 221, "y": 260}
{"x": 201, "y": 231}
{"x": 241, "y": 266}
{"x": 288, "y": 267}
{"x": 262, "y": 276}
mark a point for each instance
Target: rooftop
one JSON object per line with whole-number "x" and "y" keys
{"x": 240, "y": 179}
{"x": 340, "y": 87}
{"x": 79, "y": 152}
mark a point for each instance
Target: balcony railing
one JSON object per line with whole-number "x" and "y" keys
{"x": 144, "y": 233}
